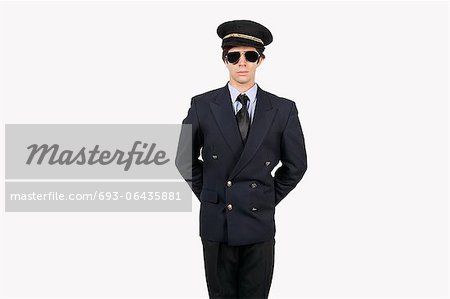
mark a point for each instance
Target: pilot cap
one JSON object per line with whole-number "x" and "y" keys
{"x": 244, "y": 33}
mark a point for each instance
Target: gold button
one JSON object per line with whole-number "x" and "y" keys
{"x": 229, "y": 183}
{"x": 254, "y": 185}
{"x": 229, "y": 207}
{"x": 214, "y": 157}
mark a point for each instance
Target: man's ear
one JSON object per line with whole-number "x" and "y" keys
{"x": 260, "y": 61}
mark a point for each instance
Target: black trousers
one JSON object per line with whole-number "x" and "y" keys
{"x": 238, "y": 271}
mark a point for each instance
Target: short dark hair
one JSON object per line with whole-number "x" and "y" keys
{"x": 226, "y": 49}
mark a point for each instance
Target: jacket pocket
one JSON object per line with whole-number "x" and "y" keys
{"x": 264, "y": 199}
{"x": 209, "y": 196}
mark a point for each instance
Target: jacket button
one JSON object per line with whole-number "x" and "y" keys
{"x": 214, "y": 157}
{"x": 254, "y": 209}
{"x": 229, "y": 183}
{"x": 253, "y": 185}
{"x": 267, "y": 163}
{"x": 229, "y": 207}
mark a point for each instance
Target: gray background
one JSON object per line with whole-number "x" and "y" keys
{"x": 74, "y": 137}
{"x": 370, "y": 217}
{"x": 137, "y": 192}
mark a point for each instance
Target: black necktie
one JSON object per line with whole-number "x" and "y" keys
{"x": 243, "y": 117}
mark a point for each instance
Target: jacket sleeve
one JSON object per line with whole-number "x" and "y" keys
{"x": 188, "y": 151}
{"x": 292, "y": 156}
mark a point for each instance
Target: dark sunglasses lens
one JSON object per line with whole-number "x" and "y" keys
{"x": 251, "y": 56}
{"x": 233, "y": 57}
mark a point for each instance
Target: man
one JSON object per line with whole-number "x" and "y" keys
{"x": 243, "y": 132}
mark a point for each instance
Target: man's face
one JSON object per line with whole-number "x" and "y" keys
{"x": 243, "y": 72}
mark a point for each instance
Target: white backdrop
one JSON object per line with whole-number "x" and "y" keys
{"x": 369, "y": 218}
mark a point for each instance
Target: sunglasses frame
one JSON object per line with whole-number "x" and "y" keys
{"x": 243, "y": 53}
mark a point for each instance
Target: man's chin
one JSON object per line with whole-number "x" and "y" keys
{"x": 242, "y": 80}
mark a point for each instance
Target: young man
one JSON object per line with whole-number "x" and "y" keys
{"x": 242, "y": 132}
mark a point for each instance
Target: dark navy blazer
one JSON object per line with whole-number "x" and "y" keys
{"x": 233, "y": 182}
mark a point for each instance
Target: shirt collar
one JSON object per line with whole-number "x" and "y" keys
{"x": 251, "y": 93}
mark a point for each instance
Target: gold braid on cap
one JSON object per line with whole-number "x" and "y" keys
{"x": 244, "y": 36}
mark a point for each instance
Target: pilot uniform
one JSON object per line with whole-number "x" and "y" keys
{"x": 233, "y": 180}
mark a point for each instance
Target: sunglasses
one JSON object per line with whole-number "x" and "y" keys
{"x": 250, "y": 56}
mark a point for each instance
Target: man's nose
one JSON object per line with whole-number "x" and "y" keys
{"x": 242, "y": 60}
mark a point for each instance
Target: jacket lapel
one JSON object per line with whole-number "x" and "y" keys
{"x": 224, "y": 114}
{"x": 264, "y": 114}
{"x": 262, "y": 119}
